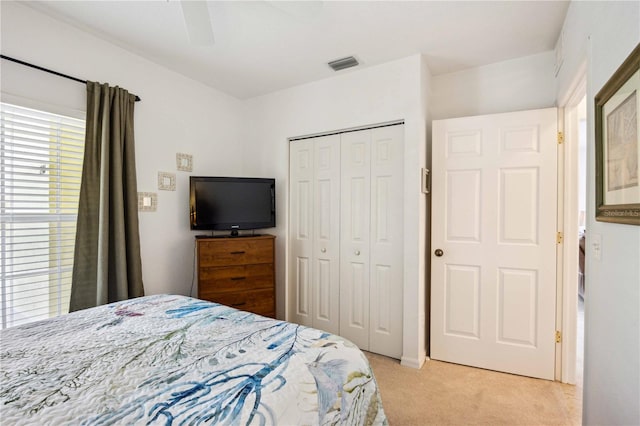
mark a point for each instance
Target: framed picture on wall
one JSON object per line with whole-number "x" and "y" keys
{"x": 617, "y": 126}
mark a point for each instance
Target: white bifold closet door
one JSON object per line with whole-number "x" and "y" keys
{"x": 346, "y": 235}
{"x": 315, "y": 231}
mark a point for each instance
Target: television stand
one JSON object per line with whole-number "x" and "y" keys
{"x": 238, "y": 272}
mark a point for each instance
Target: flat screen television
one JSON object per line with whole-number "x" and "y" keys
{"x": 231, "y": 203}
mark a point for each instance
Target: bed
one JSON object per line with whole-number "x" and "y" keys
{"x": 167, "y": 359}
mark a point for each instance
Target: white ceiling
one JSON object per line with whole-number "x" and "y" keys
{"x": 265, "y": 46}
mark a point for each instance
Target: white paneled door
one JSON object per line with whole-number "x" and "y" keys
{"x": 493, "y": 279}
{"x": 301, "y": 178}
{"x": 386, "y": 241}
{"x": 326, "y": 231}
{"x": 346, "y": 236}
{"x": 371, "y": 241}
{"x": 315, "y": 232}
{"x": 355, "y": 237}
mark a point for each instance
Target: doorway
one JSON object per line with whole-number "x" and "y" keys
{"x": 574, "y": 118}
{"x": 582, "y": 208}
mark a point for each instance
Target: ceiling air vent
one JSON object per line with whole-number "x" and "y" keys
{"x": 340, "y": 64}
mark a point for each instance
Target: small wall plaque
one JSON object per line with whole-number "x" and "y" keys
{"x": 147, "y": 201}
{"x": 166, "y": 181}
{"x": 184, "y": 162}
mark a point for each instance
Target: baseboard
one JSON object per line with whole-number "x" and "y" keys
{"x": 412, "y": 362}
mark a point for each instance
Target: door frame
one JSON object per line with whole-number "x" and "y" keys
{"x": 568, "y": 221}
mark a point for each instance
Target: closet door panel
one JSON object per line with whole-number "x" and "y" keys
{"x": 386, "y": 260}
{"x": 346, "y": 241}
{"x": 301, "y": 180}
{"x": 326, "y": 232}
{"x": 355, "y": 236}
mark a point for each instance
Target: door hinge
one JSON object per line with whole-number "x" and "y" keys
{"x": 560, "y": 138}
{"x": 559, "y": 238}
{"x": 558, "y": 336}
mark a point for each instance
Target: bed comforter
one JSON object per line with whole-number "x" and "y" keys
{"x": 177, "y": 360}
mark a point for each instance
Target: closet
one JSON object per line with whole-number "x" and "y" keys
{"x": 346, "y": 236}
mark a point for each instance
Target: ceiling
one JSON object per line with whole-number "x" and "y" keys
{"x": 264, "y": 46}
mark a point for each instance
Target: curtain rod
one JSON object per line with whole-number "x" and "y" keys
{"x": 18, "y": 61}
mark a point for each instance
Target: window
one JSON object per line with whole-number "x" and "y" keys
{"x": 40, "y": 169}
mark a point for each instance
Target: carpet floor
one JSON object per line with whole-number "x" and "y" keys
{"x": 448, "y": 394}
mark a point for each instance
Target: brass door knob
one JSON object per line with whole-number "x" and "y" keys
{"x": 438, "y": 252}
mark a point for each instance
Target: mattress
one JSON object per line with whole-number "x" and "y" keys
{"x": 168, "y": 359}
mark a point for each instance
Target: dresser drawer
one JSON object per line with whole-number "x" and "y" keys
{"x": 213, "y": 280}
{"x": 240, "y": 251}
{"x": 260, "y": 302}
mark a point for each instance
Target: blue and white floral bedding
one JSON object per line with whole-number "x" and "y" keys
{"x": 177, "y": 360}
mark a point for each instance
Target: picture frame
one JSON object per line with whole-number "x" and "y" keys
{"x": 617, "y": 150}
{"x": 147, "y": 201}
{"x": 166, "y": 181}
{"x": 184, "y": 162}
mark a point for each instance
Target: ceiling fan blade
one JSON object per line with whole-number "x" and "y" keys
{"x": 198, "y": 22}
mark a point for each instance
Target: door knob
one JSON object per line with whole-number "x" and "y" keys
{"x": 357, "y": 252}
{"x": 438, "y": 252}
{"x": 324, "y": 250}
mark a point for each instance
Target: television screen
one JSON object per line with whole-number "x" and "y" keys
{"x": 231, "y": 203}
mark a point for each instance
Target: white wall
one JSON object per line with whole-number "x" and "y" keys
{"x": 387, "y": 92}
{"x": 604, "y": 33}
{"x": 176, "y": 115}
{"x": 514, "y": 85}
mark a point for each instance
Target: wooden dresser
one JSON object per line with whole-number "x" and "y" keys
{"x": 238, "y": 272}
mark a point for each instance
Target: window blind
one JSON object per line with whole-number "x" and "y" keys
{"x": 40, "y": 170}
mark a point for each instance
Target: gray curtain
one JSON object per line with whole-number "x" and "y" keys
{"x": 107, "y": 266}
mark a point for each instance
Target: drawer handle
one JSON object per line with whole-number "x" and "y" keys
{"x": 238, "y": 278}
{"x": 237, "y": 252}
{"x": 238, "y": 304}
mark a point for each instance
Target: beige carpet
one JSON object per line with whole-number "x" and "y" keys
{"x": 448, "y": 394}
